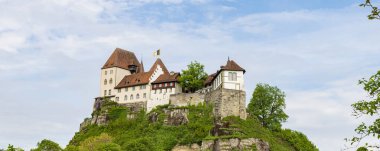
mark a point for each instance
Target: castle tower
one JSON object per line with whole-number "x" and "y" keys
{"x": 227, "y": 91}
{"x": 118, "y": 65}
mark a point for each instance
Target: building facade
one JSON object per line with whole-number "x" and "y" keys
{"x": 124, "y": 80}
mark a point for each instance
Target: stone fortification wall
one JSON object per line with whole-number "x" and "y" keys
{"x": 185, "y": 99}
{"x": 227, "y": 102}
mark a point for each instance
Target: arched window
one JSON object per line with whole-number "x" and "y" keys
{"x": 111, "y": 81}
{"x": 105, "y": 81}
{"x": 131, "y": 97}
{"x": 125, "y": 97}
{"x": 138, "y": 96}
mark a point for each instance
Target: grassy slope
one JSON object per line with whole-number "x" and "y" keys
{"x": 140, "y": 134}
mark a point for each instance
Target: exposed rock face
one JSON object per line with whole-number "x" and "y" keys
{"x": 235, "y": 144}
{"x": 174, "y": 117}
{"x": 193, "y": 147}
{"x": 177, "y": 117}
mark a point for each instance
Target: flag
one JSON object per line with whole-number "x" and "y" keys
{"x": 156, "y": 53}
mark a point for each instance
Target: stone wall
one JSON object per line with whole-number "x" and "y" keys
{"x": 227, "y": 102}
{"x": 135, "y": 106}
{"x": 235, "y": 144}
{"x": 185, "y": 99}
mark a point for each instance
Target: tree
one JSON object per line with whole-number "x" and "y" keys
{"x": 268, "y": 104}
{"x": 12, "y": 148}
{"x": 47, "y": 145}
{"x": 368, "y": 108}
{"x": 194, "y": 77}
{"x": 375, "y": 13}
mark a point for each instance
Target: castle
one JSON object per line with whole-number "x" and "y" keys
{"x": 124, "y": 80}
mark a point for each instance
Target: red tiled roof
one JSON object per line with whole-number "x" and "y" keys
{"x": 134, "y": 80}
{"x": 167, "y": 78}
{"x": 210, "y": 78}
{"x": 122, "y": 59}
{"x": 232, "y": 65}
{"x": 143, "y": 77}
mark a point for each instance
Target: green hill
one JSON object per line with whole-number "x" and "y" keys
{"x": 127, "y": 130}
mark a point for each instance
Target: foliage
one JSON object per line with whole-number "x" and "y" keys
{"x": 194, "y": 77}
{"x": 278, "y": 140}
{"x": 369, "y": 108}
{"x": 101, "y": 142}
{"x": 375, "y": 12}
{"x": 298, "y": 140}
{"x": 12, "y": 148}
{"x": 140, "y": 134}
{"x": 47, "y": 145}
{"x": 268, "y": 104}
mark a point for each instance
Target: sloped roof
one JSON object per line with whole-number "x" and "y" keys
{"x": 232, "y": 65}
{"x": 142, "y": 77}
{"x": 134, "y": 80}
{"x": 210, "y": 78}
{"x": 167, "y": 78}
{"x": 122, "y": 59}
{"x": 162, "y": 65}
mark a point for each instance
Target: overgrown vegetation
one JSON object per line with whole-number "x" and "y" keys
{"x": 143, "y": 135}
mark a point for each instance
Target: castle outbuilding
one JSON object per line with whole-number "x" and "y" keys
{"x": 124, "y": 80}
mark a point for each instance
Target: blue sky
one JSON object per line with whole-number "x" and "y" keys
{"x": 51, "y": 53}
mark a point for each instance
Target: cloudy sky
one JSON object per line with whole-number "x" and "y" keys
{"x": 51, "y": 52}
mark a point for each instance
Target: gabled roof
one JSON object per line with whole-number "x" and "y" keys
{"x": 122, "y": 59}
{"x": 167, "y": 78}
{"x": 232, "y": 65}
{"x": 134, "y": 80}
{"x": 142, "y": 78}
{"x": 162, "y": 65}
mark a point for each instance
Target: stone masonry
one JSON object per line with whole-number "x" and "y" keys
{"x": 227, "y": 102}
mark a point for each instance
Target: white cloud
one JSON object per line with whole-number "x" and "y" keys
{"x": 315, "y": 56}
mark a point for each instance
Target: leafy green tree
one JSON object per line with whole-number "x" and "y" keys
{"x": 375, "y": 13}
{"x": 268, "y": 104}
{"x": 194, "y": 77}
{"x": 12, "y": 148}
{"x": 101, "y": 142}
{"x": 368, "y": 108}
{"x": 47, "y": 145}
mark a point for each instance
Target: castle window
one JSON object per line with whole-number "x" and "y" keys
{"x": 109, "y": 92}
{"x": 138, "y": 96}
{"x": 105, "y": 72}
{"x": 105, "y": 81}
{"x": 110, "y": 81}
{"x": 125, "y": 97}
{"x": 160, "y": 91}
{"x": 144, "y": 95}
{"x": 165, "y": 85}
{"x": 111, "y": 71}
{"x": 141, "y": 87}
{"x": 131, "y": 97}
{"x": 105, "y": 92}
{"x": 232, "y": 76}
{"x": 119, "y": 90}
{"x": 133, "y": 88}
{"x": 117, "y": 99}
{"x": 126, "y": 89}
